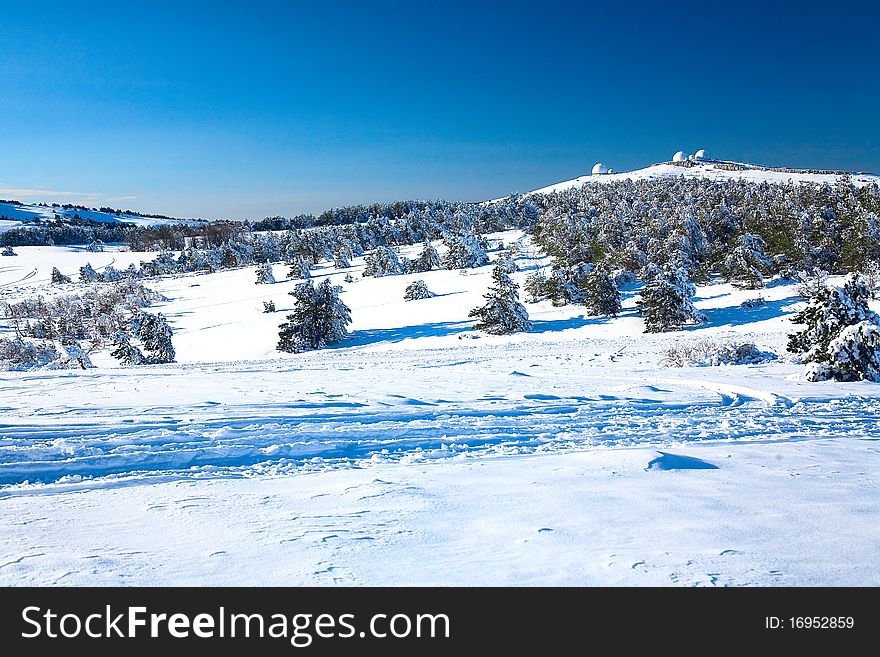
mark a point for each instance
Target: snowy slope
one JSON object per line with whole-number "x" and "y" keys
{"x": 17, "y": 212}
{"x": 418, "y": 452}
{"x": 711, "y": 170}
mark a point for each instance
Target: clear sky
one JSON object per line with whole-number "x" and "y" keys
{"x": 256, "y": 108}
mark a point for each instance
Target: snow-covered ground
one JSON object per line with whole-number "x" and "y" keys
{"x": 15, "y": 213}
{"x": 418, "y": 452}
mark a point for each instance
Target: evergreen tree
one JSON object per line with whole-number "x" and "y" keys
{"x": 841, "y": 338}
{"x": 268, "y": 306}
{"x": 87, "y": 274}
{"x": 746, "y": 262}
{"x": 264, "y": 274}
{"x": 319, "y": 318}
{"x": 341, "y": 256}
{"x": 348, "y": 278}
{"x": 464, "y": 252}
{"x": 8, "y": 251}
{"x": 299, "y": 268}
{"x": 382, "y": 262}
{"x": 125, "y": 352}
{"x": 666, "y": 301}
{"x": 427, "y": 260}
{"x": 537, "y": 287}
{"x": 507, "y": 263}
{"x": 502, "y": 313}
{"x": 417, "y": 290}
{"x": 155, "y": 335}
{"x": 58, "y": 278}
{"x": 602, "y": 295}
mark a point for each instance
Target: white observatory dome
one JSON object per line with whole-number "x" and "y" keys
{"x": 599, "y": 169}
{"x": 701, "y": 155}
{"x": 679, "y": 156}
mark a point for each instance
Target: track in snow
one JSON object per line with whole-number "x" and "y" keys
{"x": 326, "y": 432}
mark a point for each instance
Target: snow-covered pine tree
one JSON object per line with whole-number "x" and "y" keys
{"x": 502, "y": 313}
{"x": 264, "y": 274}
{"x": 155, "y": 335}
{"x": 601, "y": 294}
{"x": 841, "y": 339}
{"x": 299, "y": 268}
{"x": 427, "y": 260}
{"x": 87, "y": 274}
{"x": 125, "y": 352}
{"x": 507, "y": 262}
{"x": 417, "y": 290}
{"x": 8, "y": 251}
{"x": 348, "y": 278}
{"x": 464, "y": 252}
{"x": 341, "y": 256}
{"x": 666, "y": 301}
{"x": 319, "y": 318}
{"x": 268, "y": 306}
{"x": 381, "y": 262}
{"x": 58, "y": 278}
{"x": 536, "y": 287}
{"x": 746, "y": 263}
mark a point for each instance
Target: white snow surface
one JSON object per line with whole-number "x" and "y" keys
{"x": 419, "y": 452}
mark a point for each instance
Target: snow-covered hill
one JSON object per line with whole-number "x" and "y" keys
{"x": 715, "y": 170}
{"x": 420, "y": 452}
{"x": 12, "y": 213}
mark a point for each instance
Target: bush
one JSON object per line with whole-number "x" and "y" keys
{"x": 706, "y": 353}
{"x": 417, "y": 290}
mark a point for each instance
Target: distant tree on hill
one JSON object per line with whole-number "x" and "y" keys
{"x": 8, "y": 251}
{"x": 264, "y": 274}
{"x": 464, "y": 252}
{"x": 299, "y": 268}
{"x": 382, "y": 262}
{"x": 502, "y": 313}
{"x": 427, "y": 260}
{"x": 319, "y": 318}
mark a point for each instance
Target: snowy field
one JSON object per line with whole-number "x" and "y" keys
{"x": 419, "y": 452}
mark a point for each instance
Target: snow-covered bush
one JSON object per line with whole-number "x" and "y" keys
{"x": 840, "y": 340}
{"x": 268, "y": 306}
{"x": 87, "y": 274}
{"x": 811, "y": 282}
{"x": 703, "y": 353}
{"x": 536, "y": 287}
{"x": 757, "y": 302}
{"x": 382, "y": 262}
{"x": 320, "y": 318}
{"x": 8, "y": 252}
{"x": 666, "y": 301}
{"x": 417, "y": 290}
{"x": 18, "y": 354}
{"x": 264, "y": 274}
{"x": 502, "y": 313}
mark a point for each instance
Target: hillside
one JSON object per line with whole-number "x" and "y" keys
{"x": 419, "y": 450}
{"x": 715, "y": 170}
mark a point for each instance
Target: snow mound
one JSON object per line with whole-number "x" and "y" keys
{"x": 667, "y": 461}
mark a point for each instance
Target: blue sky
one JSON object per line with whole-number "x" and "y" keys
{"x": 261, "y": 108}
